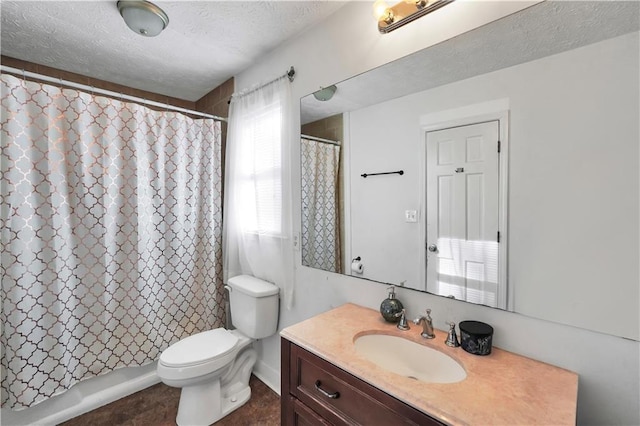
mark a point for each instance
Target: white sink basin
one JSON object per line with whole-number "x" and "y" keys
{"x": 409, "y": 359}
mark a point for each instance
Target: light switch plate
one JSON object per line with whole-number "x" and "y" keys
{"x": 410, "y": 216}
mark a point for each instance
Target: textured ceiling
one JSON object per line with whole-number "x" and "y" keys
{"x": 206, "y": 42}
{"x": 541, "y": 30}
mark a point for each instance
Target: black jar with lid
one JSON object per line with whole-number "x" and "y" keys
{"x": 476, "y": 337}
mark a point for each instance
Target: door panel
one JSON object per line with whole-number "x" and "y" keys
{"x": 462, "y": 212}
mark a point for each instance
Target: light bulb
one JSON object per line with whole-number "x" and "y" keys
{"x": 382, "y": 12}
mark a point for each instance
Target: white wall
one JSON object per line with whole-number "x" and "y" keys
{"x": 347, "y": 44}
{"x": 573, "y": 180}
{"x": 384, "y": 138}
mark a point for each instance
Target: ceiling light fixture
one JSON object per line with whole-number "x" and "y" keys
{"x": 143, "y": 17}
{"x": 390, "y": 18}
{"x": 325, "y": 93}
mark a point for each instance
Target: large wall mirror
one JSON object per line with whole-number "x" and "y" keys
{"x": 499, "y": 167}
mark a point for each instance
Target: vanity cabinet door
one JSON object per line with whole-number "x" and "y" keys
{"x": 338, "y": 397}
{"x": 300, "y": 415}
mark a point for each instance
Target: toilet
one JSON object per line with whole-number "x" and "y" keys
{"x": 213, "y": 367}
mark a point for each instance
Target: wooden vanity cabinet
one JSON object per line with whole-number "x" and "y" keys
{"x": 316, "y": 392}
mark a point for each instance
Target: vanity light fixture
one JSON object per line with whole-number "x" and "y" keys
{"x": 325, "y": 93}
{"x": 390, "y": 18}
{"x": 143, "y": 17}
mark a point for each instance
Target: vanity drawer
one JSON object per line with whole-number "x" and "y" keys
{"x": 341, "y": 398}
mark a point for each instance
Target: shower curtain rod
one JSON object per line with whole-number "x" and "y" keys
{"x": 116, "y": 95}
{"x": 313, "y": 138}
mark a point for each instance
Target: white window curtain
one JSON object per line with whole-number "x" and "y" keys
{"x": 257, "y": 224}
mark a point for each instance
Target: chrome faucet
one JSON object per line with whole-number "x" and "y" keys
{"x": 402, "y": 324}
{"x": 427, "y": 325}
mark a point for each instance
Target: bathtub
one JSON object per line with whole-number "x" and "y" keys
{"x": 84, "y": 396}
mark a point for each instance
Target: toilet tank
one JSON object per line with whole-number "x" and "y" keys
{"x": 254, "y": 306}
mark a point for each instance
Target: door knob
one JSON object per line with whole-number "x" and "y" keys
{"x": 432, "y": 248}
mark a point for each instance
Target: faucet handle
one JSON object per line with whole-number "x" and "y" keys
{"x": 428, "y": 314}
{"x": 402, "y": 324}
{"x": 452, "y": 337}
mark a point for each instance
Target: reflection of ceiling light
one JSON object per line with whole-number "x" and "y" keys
{"x": 390, "y": 18}
{"x": 143, "y": 17}
{"x": 325, "y": 94}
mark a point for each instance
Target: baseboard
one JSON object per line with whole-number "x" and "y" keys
{"x": 269, "y": 376}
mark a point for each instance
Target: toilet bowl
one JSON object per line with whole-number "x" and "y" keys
{"x": 213, "y": 367}
{"x": 198, "y": 356}
{"x": 213, "y": 376}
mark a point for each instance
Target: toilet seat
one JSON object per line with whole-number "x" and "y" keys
{"x": 199, "y": 349}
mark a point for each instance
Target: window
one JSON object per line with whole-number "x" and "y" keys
{"x": 260, "y": 172}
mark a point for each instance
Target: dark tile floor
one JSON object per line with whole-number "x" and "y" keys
{"x": 158, "y": 406}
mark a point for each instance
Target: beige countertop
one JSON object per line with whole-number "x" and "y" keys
{"x": 500, "y": 389}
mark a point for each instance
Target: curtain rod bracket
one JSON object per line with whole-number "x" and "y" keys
{"x": 289, "y": 74}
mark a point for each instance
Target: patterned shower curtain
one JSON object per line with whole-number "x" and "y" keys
{"x": 111, "y": 236}
{"x": 320, "y": 205}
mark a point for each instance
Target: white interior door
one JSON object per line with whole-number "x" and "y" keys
{"x": 462, "y": 175}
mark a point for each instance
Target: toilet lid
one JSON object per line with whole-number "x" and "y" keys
{"x": 199, "y": 348}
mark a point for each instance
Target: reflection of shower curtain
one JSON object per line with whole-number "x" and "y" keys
{"x": 111, "y": 236}
{"x": 320, "y": 215}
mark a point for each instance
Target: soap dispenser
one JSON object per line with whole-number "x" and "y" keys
{"x": 391, "y": 307}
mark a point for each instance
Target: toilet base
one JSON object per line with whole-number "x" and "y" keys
{"x": 202, "y": 405}
{"x": 207, "y": 402}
